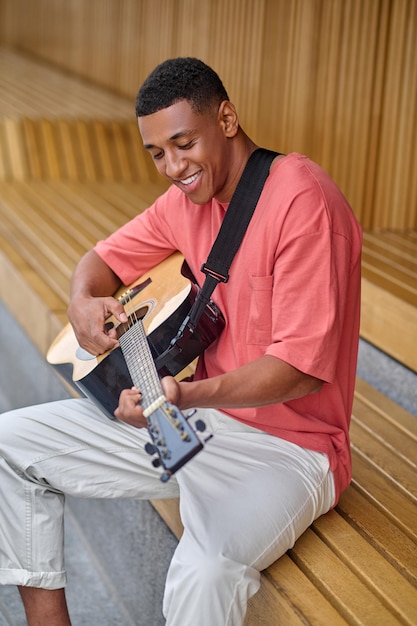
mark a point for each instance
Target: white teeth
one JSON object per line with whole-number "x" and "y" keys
{"x": 189, "y": 180}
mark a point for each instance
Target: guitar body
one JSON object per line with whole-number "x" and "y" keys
{"x": 161, "y": 299}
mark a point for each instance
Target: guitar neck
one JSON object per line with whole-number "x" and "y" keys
{"x": 141, "y": 366}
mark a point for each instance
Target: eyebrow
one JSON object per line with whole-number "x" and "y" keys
{"x": 178, "y": 135}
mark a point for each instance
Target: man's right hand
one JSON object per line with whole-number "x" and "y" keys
{"x": 94, "y": 330}
{"x": 92, "y": 287}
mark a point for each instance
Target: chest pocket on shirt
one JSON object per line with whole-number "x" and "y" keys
{"x": 259, "y": 327}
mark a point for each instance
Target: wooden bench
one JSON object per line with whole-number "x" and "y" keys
{"x": 55, "y": 126}
{"x": 389, "y": 293}
{"x": 44, "y": 230}
{"x": 357, "y": 564}
{"x": 73, "y": 149}
{"x": 30, "y": 88}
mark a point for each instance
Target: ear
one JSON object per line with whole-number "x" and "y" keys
{"x": 228, "y": 119}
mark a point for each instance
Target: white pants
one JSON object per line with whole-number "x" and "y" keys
{"x": 245, "y": 499}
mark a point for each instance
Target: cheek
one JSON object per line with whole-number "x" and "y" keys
{"x": 160, "y": 165}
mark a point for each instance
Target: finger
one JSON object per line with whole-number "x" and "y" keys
{"x": 98, "y": 342}
{"x": 115, "y": 307}
{"x": 129, "y": 410}
{"x": 129, "y": 399}
{"x": 132, "y": 391}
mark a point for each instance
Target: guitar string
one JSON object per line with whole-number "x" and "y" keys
{"x": 150, "y": 370}
{"x": 149, "y": 373}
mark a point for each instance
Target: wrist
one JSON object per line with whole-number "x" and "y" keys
{"x": 198, "y": 393}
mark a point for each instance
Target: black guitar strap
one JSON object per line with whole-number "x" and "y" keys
{"x": 233, "y": 228}
{"x": 216, "y": 268}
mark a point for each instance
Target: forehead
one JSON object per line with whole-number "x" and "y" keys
{"x": 170, "y": 123}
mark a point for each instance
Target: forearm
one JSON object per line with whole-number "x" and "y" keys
{"x": 266, "y": 381}
{"x": 93, "y": 278}
{"x": 263, "y": 382}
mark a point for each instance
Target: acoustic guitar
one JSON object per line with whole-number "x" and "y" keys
{"x": 155, "y": 341}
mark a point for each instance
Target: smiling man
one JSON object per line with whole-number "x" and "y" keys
{"x": 197, "y": 158}
{"x": 275, "y": 388}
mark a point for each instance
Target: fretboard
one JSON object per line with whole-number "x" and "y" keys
{"x": 138, "y": 357}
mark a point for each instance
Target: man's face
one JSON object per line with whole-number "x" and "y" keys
{"x": 190, "y": 149}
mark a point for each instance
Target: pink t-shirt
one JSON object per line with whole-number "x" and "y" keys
{"x": 293, "y": 293}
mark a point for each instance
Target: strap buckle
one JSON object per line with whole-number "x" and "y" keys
{"x": 221, "y": 278}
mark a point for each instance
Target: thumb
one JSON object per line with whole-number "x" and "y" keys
{"x": 171, "y": 389}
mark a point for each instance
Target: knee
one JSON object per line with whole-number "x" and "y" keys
{"x": 9, "y": 425}
{"x": 209, "y": 571}
{"x": 15, "y": 430}
{"x": 205, "y": 570}
{"x": 208, "y": 585}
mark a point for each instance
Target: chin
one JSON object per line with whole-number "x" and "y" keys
{"x": 198, "y": 198}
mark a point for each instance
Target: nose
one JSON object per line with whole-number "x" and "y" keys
{"x": 175, "y": 165}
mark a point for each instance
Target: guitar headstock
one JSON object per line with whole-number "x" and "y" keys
{"x": 173, "y": 439}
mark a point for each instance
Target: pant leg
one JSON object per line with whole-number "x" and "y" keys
{"x": 59, "y": 448}
{"x": 243, "y": 504}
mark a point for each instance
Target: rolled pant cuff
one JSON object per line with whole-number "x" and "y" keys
{"x": 24, "y": 578}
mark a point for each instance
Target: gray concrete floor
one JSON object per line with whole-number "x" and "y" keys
{"x": 388, "y": 376}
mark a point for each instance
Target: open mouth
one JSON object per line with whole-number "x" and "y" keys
{"x": 189, "y": 180}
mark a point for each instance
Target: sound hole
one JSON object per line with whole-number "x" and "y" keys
{"x": 133, "y": 317}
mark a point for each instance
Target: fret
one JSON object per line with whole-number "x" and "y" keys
{"x": 141, "y": 366}
{"x": 173, "y": 439}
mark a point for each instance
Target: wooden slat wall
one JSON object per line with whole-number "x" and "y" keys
{"x": 335, "y": 79}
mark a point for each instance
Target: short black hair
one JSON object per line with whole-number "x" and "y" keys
{"x": 182, "y": 78}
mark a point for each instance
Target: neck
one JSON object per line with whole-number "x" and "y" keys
{"x": 240, "y": 152}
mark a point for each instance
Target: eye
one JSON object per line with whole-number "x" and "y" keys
{"x": 157, "y": 155}
{"x": 186, "y": 146}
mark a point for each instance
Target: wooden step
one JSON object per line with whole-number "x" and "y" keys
{"x": 389, "y": 294}
{"x": 74, "y": 149}
{"x": 31, "y": 88}
{"x": 45, "y": 228}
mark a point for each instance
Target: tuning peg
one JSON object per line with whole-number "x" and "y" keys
{"x": 165, "y": 477}
{"x": 150, "y": 448}
{"x": 190, "y": 414}
{"x": 156, "y": 462}
{"x": 200, "y": 426}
